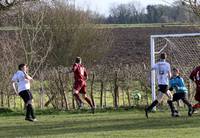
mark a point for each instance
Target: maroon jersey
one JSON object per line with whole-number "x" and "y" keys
{"x": 195, "y": 76}
{"x": 80, "y": 73}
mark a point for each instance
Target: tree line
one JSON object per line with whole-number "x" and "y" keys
{"x": 133, "y": 13}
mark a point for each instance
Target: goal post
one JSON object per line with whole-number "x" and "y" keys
{"x": 183, "y": 52}
{"x": 153, "y": 75}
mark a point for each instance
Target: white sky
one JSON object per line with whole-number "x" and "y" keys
{"x": 102, "y": 6}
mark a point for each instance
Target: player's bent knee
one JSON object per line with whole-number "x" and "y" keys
{"x": 29, "y": 102}
{"x": 75, "y": 92}
{"x": 169, "y": 95}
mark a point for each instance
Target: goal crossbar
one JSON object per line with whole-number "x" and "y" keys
{"x": 175, "y": 35}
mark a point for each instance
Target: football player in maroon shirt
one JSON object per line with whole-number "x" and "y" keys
{"x": 80, "y": 78}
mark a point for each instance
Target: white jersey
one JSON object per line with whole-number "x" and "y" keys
{"x": 22, "y": 82}
{"x": 162, "y": 68}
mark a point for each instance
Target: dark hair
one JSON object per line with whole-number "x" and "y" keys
{"x": 163, "y": 56}
{"x": 21, "y": 66}
{"x": 176, "y": 69}
{"x": 78, "y": 60}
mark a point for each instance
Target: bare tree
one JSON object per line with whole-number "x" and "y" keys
{"x": 194, "y": 5}
{"x": 8, "y": 61}
{"x": 7, "y": 4}
{"x": 46, "y": 37}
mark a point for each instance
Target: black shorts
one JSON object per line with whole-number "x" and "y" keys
{"x": 163, "y": 88}
{"x": 179, "y": 96}
{"x": 26, "y": 95}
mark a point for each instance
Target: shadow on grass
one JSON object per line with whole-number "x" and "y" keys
{"x": 98, "y": 125}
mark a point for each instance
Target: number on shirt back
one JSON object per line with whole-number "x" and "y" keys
{"x": 161, "y": 70}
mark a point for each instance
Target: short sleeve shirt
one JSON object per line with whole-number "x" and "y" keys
{"x": 22, "y": 82}
{"x": 79, "y": 72}
{"x": 162, "y": 68}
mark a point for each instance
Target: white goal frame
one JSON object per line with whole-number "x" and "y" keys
{"x": 153, "y": 52}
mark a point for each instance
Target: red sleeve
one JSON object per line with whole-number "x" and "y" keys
{"x": 74, "y": 67}
{"x": 194, "y": 73}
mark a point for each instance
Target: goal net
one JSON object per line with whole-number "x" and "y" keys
{"x": 183, "y": 52}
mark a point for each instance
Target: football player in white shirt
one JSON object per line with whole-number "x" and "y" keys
{"x": 163, "y": 73}
{"x": 22, "y": 80}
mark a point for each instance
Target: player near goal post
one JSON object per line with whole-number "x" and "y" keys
{"x": 80, "y": 77}
{"x": 163, "y": 72}
{"x": 195, "y": 76}
{"x": 177, "y": 83}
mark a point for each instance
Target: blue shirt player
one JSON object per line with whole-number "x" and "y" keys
{"x": 177, "y": 84}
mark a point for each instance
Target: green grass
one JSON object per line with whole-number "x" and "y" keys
{"x": 147, "y": 25}
{"x": 131, "y": 124}
{"x": 9, "y": 28}
{"x": 144, "y": 25}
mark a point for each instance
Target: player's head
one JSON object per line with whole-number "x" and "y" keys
{"x": 163, "y": 56}
{"x": 175, "y": 71}
{"x": 23, "y": 67}
{"x": 78, "y": 60}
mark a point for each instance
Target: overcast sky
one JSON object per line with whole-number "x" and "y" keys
{"x": 102, "y": 6}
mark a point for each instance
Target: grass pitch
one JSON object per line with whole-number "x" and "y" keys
{"x": 127, "y": 124}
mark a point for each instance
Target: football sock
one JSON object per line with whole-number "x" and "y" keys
{"x": 185, "y": 101}
{"x": 152, "y": 105}
{"x": 31, "y": 111}
{"x": 28, "y": 111}
{"x": 196, "y": 105}
{"x": 89, "y": 102}
{"x": 171, "y": 105}
{"x": 78, "y": 99}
